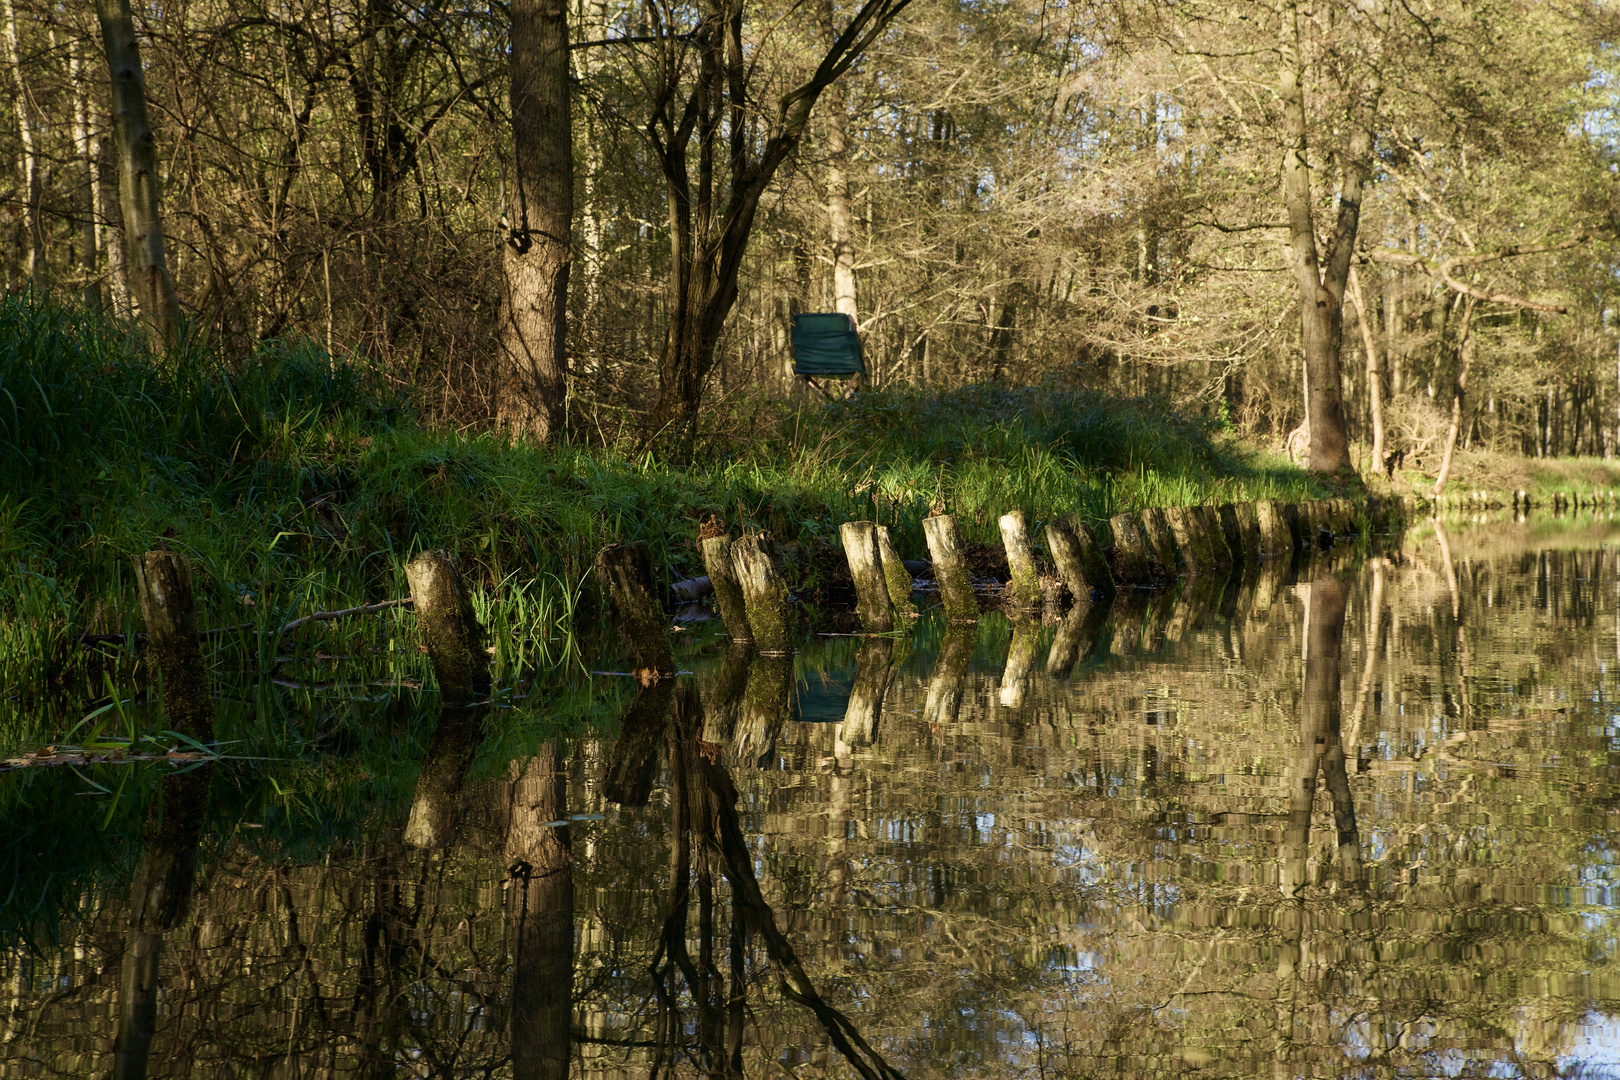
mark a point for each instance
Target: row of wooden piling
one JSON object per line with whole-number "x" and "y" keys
{"x": 1142, "y": 549}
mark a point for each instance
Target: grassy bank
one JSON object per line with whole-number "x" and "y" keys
{"x": 299, "y": 483}
{"x": 1502, "y": 474}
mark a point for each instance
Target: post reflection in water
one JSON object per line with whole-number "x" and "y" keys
{"x": 159, "y": 899}
{"x": 1349, "y": 816}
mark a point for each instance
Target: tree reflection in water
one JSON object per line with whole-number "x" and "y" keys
{"x": 1361, "y": 826}
{"x": 706, "y": 844}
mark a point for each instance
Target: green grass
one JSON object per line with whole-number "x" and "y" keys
{"x": 296, "y": 482}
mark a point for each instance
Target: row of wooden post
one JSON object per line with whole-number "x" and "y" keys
{"x": 752, "y": 595}
{"x": 1133, "y": 549}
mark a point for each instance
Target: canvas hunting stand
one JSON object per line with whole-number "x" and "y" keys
{"x": 826, "y": 346}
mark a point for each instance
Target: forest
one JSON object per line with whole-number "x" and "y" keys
{"x": 595, "y": 222}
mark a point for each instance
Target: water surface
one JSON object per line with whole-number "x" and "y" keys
{"x": 1356, "y": 816}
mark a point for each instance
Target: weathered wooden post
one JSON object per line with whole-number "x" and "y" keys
{"x": 1249, "y": 525}
{"x": 1025, "y": 587}
{"x": 454, "y": 639}
{"x": 895, "y": 576}
{"x": 1079, "y": 563}
{"x": 1131, "y": 565}
{"x": 765, "y": 594}
{"x": 1161, "y": 539}
{"x": 163, "y": 579}
{"x": 1232, "y": 531}
{"x": 950, "y": 568}
{"x": 1209, "y": 521}
{"x": 866, "y": 569}
{"x": 728, "y": 595}
{"x": 1192, "y": 544}
{"x": 626, "y": 569}
{"x": 1275, "y": 536}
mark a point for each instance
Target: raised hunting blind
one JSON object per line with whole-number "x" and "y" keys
{"x": 827, "y": 346}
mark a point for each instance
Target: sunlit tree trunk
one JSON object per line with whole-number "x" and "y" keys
{"x": 33, "y": 181}
{"x": 89, "y": 213}
{"x": 839, "y": 217}
{"x": 531, "y": 391}
{"x": 139, "y": 198}
{"x": 1375, "y": 393}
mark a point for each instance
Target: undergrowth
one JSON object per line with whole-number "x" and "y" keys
{"x": 296, "y": 482}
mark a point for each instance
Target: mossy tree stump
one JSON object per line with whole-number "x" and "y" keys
{"x": 728, "y": 595}
{"x": 765, "y": 594}
{"x": 1209, "y": 520}
{"x": 895, "y": 577}
{"x": 1161, "y": 539}
{"x": 1275, "y": 536}
{"x": 1196, "y": 555}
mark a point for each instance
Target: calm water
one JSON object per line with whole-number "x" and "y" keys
{"x": 1356, "y": 817}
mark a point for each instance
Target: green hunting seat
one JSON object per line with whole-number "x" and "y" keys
{"x": 826, "y": 346}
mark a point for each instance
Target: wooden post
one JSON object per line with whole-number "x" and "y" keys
{"x": 1079, "y": 563}
{"x": 1209, "y": 520}
{"x": 1193, "y": 546}
{"x": 626, "y": 570}
{"x": 1232, "y": 531}
{"x": 1275, "y": 537}
{"x": 163, "y": 579}
{"x": 765, "y": 594}
{"x": 1130, "y": 551}
{"x": 1249, "y": 528}
{"x": 895, "y": 576}
{"x": 728, "y": 595}
{"x": 455, "y": 641}
{"x": 1026, "y": 580}
{"x": 1161, "y": 539}
{"x": 950, "y": 568}
{"x": 866, "y": 568}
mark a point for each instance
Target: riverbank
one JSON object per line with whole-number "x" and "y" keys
{"x": 296, "y": 483}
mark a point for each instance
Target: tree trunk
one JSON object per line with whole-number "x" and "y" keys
{"x": 33, "y": 182}
{"x": 139, "y": 198}
{"x": 532, "y": 389}
{"x": 1375, "y": 393}
{"x": 89, "y": 215}
{"x": 838, "y": 212}
{"x": 1320, "y": 286}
